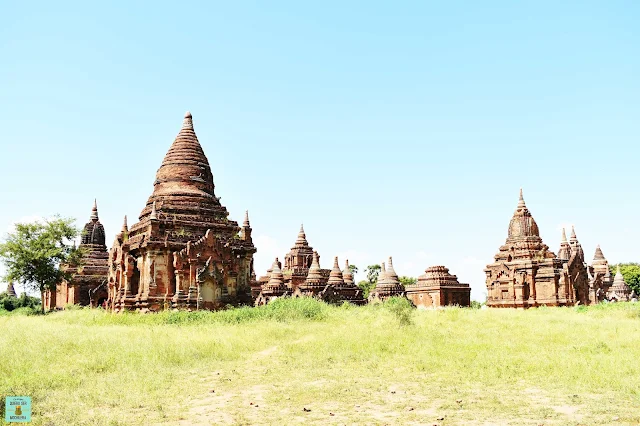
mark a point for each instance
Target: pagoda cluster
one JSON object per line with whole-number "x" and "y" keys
{"x": 302, "y": 276}
{"x": 184, "y": 252}
{"x": 525, "y": 273}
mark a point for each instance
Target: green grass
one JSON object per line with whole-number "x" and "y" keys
{"x": 372, "y": 365}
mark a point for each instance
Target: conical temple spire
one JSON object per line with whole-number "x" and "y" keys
{"x": 599, "y": 255}
{"x": 564, "y": 236}
{"x": 335, "y": 277}
{"x": 573, "y": 233}
{"x": 302, "y": 237}
{"x": 347, "y": 274}
{"x": 382, "y": 276}
{"x": 276, "y": 279}
{"x": 10, "y": 290}
{"x": 246, "y": 219}
{"x": 188, "y": 121}
{"x": 314, "y": 274}
{"x": 391, "y": 273}
{"x": 521, "y": 204}
{"x": 124, "y": 224}
{"x": 94, "y": 210}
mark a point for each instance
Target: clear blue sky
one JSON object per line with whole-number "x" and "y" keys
{"x": 388, "y": 128}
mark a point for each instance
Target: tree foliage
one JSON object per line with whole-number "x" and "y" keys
{"x": 372, "y": 272}
{"x": 407, "y": 280}
{"x": 366, "y": 286}
{"x": 34, "y": 252}
{"x": 630, "y": 272}
{"x": 353, "y": 269}
{"x": 10, "y": 303}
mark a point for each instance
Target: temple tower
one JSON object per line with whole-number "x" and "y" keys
{"x": 88, "y": 283}
{"x": 524, "y": 272}
{"x": 388, "y": 284}
{"x": 619, "y": 290}
{"x": 184, "y": 251}
{"x": 298, "y": 261}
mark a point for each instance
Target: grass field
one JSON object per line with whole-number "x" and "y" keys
{"x": 301, "y": 361}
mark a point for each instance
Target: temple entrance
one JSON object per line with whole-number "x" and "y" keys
{"x": 210, "y": 294}
{"x": 135, "y": 279}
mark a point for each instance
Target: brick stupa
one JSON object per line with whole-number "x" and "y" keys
{"x": 184, "y": 252}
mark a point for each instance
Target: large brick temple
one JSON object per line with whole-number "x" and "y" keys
{"x": 525, "y": 273}
{"x": 184, "y": 252}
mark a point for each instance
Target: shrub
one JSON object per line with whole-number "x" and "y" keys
{"x": 476, "y": 305}
{"x": 10, "y": 303}
{"x": 402, "y": 308}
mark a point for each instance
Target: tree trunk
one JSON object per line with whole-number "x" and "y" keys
{"x": 42, "y": 300}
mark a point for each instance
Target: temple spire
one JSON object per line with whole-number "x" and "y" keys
{"x": 94, "y": 210}
{"x": 391, "y": 272}
{"x": 125, "y": 228}
{"x": 573, "y": 233}
{"x": 302, "y": 237}
{"x": 10, "y": 290}
{"x": 564, "y": 236}
{"x": 188, "y": 121}
{"x": 599, "y": 255}
{"x": 246, "y": 219}
{"x": 521, "y": 204}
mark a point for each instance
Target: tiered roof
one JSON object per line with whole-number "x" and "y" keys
{"x": 620, "y": 287}
{"x": 565, "y": 248}
{"x": 275, "y": 286}
{"x": 315, "y": 281}
{"x": 388, "y": 283}
{"x": 183, "y": 204}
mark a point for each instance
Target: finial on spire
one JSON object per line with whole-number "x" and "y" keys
{"x": 335, "y": 262}
{"x": 573, "y": 233}
{"x": 154, "y": 214}
{"x": 124, "y": 224}
{"x": 302, "y": 237}
{"x": 188, "y": 121}
{"x": 521, "y": 203}
{"x": 564, "y": 236}
{"x": 94, "y": 210}
{"x": 246, "y": 219}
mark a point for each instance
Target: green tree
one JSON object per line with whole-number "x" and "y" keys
{"x": 353, "y": 269}
{"x": 34, "y": 252}
{"x": 407, "y": 280}
{"x": 369, "y": 284}
{"x": 630, "y": 272}
{"x": 372, "y": 272}
{"x": 366, "y": 286}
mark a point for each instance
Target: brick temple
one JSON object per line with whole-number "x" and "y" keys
{"x": 88, "y": 283}
{"x": 437, "y": 287}
{"x": 525, "y": 273}
{"x": 184, "y": 252}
